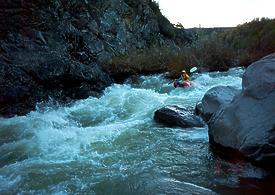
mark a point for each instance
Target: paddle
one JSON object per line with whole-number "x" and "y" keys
{"x": 192, "y": 70}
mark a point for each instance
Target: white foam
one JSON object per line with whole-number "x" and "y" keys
{"x": 57, "y": 134}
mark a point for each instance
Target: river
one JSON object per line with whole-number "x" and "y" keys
{"x": 112, "y": 145}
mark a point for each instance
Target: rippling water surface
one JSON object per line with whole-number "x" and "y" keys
{"x": 111, "y": 145}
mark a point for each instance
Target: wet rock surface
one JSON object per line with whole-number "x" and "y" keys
{"x": 176, "y": 116}
{"x": 213, "y": 99}
{"x": 247, "y": 124}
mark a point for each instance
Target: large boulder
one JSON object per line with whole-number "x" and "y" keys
{"x": 213, "y": 99}
{"x": 247, "y": 124}
{"x": 178, "y": 116}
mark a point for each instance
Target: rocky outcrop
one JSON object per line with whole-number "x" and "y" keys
{"x": 31, "y": 72}
{"x": 247, "y": 124}
{"x": 66, "y": 49}
{"x": 176, "y": 116}
{"x": 213, "y": 99}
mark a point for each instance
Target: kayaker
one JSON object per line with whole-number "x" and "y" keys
{"x": 184, "y": 76}
{"x": 185, "y": 80}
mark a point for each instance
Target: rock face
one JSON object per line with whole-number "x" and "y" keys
{"x": 177, "y": 116}
{"x": 213, "y": 99}
{"x": 64, "y": 49}
{"x": 247, "y": 124}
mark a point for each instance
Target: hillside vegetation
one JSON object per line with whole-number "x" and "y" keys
{"x": 222, "y": 48}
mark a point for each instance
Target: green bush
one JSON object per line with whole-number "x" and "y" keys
{"x": 252, "y": 40}
{"x": 221, "y": 48}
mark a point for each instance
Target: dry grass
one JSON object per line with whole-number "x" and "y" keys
{"x": 157, "y": 59}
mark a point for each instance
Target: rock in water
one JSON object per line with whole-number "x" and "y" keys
{"x": 178, "y": 116}
{"x": 213, "y": 99}
{"x": 247, "y": 124}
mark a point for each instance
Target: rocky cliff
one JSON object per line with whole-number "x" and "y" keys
{"x": 74, "y": 49}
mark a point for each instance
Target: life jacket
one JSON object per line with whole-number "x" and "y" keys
{"x": 185, "y": 77}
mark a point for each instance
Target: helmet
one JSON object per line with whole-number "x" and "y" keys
{"x": 183, "y": 71}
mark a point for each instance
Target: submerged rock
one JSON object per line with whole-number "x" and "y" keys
{"x": 213, "y": 99}
{"x": 247, "y": 124}
{"x": 178, "y": 116}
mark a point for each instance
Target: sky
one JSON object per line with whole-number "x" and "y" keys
{"x": 215, "y": 13}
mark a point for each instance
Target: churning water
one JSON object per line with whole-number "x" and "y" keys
{"x": 111, "y": 144}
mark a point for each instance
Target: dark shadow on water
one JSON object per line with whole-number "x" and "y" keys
{"x": 249, "y": 186}
{"x": 242, "y": 177}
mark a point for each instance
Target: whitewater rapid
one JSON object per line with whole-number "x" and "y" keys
{"x": 111, "y": 144}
